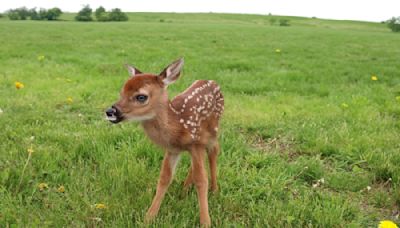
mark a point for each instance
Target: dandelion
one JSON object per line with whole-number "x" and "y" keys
{"x": 43, "y": 186}
{"x": 100, "y": 206}
{"x": 70, "y": 100}
{"x": 344, "y": 105}
{"x": 19, "y": 85}
{"x": 30, "y": 150}
{"x": 387, "y": 224}
{"x": 278, "y": 50}
{"x": 41, "y": 58}
{"x": 374, "y": 78}
{"x": 61, "y": 189}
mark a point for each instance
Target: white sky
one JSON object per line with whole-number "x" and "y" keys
{"x": 367, "y": 10}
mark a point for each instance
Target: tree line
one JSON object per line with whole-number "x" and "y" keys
{"x": 24, "y": 13}
{"x": 85, "y": 14}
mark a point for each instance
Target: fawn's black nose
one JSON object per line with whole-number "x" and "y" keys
{"x": 111, "y": 111}
{"x": 114, "y": 115}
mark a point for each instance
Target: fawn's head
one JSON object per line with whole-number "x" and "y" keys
{"x": 143, "y": 93}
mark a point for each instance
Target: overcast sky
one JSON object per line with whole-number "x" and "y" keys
{"x": 368, "y": 10}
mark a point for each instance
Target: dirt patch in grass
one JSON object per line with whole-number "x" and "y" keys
{"x": 284, "y": 145}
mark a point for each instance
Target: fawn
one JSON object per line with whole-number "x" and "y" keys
{"x": 187, "y": 123}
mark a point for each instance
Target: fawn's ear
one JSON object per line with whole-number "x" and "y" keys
{"x": 132, "y": 70}
{"x": 171, "y": 73}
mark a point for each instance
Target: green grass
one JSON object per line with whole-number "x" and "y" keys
{"x": 292, "y": 118}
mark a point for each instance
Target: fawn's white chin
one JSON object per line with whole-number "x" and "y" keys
{"x": 141, "y": 118}
{"x": 111, "y": 118}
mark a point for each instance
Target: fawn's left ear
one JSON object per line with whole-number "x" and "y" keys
{"x": 132, "y": 70}
{"x": 171, "y": 73}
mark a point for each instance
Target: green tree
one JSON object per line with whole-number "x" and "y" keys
{"x": 23, "y": 13}
{"x": 85, "y": 14}
{"x": 12, "y": 14}
{"x": 33, "y": 14}
{"x": 100, "y": 13}
{"x": 117, "y": 15}
{"x": 394, "y": 24}
{"x": 42, "y": 14}
{"x": 284, "y": 22}
{"x": 53, "y": 14}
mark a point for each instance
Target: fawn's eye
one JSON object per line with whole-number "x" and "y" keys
{"x": 141, "y": 98}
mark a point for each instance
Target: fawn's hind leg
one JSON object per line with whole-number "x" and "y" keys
{"x": 213, "y": 153}
{"x": 189, "y": 180}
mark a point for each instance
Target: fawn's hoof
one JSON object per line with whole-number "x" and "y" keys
{"x": 206, "y": 222}
{"x": 150, "y": 216}
{"x": 187, "y": 185}
{"x": 214, "y": 189}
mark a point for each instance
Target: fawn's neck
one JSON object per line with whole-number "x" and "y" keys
{"x": 160, "y": 129}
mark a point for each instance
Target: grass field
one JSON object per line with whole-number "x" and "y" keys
{"x": 308, "y": 138}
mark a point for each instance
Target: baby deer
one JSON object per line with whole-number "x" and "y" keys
{"x": 187, "y": 123}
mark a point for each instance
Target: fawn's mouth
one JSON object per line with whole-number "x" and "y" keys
{"x": 114, "y": 119}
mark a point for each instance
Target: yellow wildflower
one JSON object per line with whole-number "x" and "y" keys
{"x": 278, "y": 50}
{"x": 19, "y": 85}
{"x": 70, "y": 100}
{"x": 100, "y": 206}
{"x": 61, "y": 189}
{"x": 41, "y": 58}
{"x": 43, "y": 186}
{"x": 30, "y": 150}
{"x": 387, "y": 224}
{"x": 374, "y": 78}
{"x": 344, "y": 105}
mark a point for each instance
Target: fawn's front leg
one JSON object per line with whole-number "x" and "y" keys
{"x": 199, "y": 175}
{"x": 167, "y": 171}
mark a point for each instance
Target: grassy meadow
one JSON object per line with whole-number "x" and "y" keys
{"x": 308, "y": 138}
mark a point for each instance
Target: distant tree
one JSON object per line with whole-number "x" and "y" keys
{"x": 85, "y": 14}
{"x": 100, "y": 13}
{"x": 53, "y": 14}
{"x": 1, "y": 15}
{"x": 12, "y": 14}
{"x": 117, "y": 15}
{"x": 42, "y": 14}
{"x": 23, "y": 13}
{"x": 33, "y": 14}
{"x": 394, "y": 24}
{"x": 284, "y": 22}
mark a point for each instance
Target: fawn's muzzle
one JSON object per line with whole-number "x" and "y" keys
{"x": 114, "y": 115}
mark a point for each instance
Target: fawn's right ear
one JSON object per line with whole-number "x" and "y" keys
{"x": 132, "y": 70}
